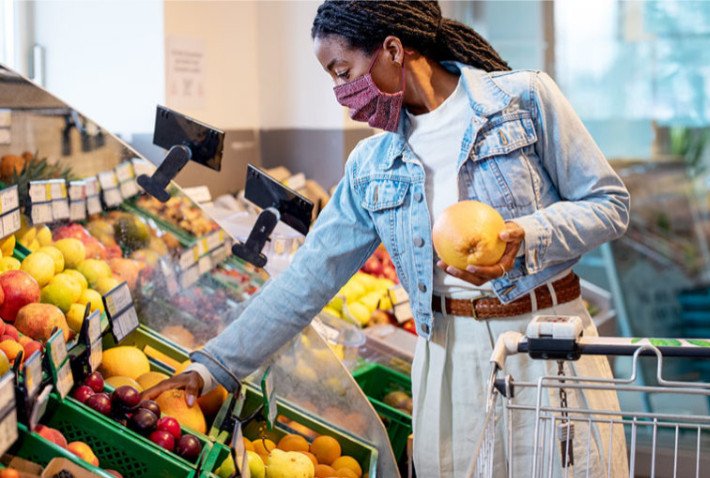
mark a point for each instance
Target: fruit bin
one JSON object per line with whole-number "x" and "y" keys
{"x": 304, "y": 424}
{"x": 162, "y": 353}
{"x": 116, "y": 446}
{"x": 33, "y": 447}
{"x": 376, "y": 381}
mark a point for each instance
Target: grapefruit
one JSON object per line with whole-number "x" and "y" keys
{"x": 467, "y": 234}
{"x": 173, "y": 404}
{"x": 125, "y": 361}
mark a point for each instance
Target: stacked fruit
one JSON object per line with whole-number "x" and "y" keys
{"x": 181, "y": 212}
{"x": 380, "y": 264}
{"x": 364, "y": 300}
{"x": 12, "y": 343}
{"x": 295, "y": 457}
{"x": 125, "y": 406}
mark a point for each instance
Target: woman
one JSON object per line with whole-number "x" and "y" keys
{"x": 459, "y": 124}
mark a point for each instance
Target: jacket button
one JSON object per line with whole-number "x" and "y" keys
{"x": 422, "y": 287}
{"x": 425, "y": 328}
{"x": 418, "y": 241}
{"x": 418, "y": 196}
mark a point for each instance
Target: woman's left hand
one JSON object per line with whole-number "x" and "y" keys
{"x": 513, "y": 235}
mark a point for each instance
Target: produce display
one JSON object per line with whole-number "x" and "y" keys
{"x": 181, "y": 212}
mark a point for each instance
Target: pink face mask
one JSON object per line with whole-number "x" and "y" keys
{"x": 368, "y": 103}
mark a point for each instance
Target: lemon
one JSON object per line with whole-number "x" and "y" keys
{"x": 78, "y": 276}
{"x": 44, "y": 236}
{"x": 40, "y": 266}
{"x": 93, "y": 270}
{"x": 56, "y": 255}
{"x": 90, "y": 296}
{"x": 75, "y": 317}
{"x": 9, "y": 264}
{"x": 73, "y": 250}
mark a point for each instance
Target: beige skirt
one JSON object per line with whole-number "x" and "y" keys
{"x": 449, "y": 385}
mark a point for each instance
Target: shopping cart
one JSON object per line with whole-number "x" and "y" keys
{"x": 566, "y": 441}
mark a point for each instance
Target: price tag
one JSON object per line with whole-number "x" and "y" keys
{"x": 240, "y": 452}
{"x": 129, "y": 189}
{"x": 189, "y": 277}
{"x": 9, "y": 199}
{"x": 64, "y": 379}
{"x": 187, "y": 259}
{"x": 108, "y": 180}
{"x": 91, "y": 186}
{"x": 60, "y": 209}
{"x": 77, "y": 210}
{"x": 11, "y": 222}
{"x": 169, "y": 274}
{"x": 112, "y": 197}
{"x": 93, "y": 205}
{"x": 93, "y": 327}
{"x": 7, "y": 392}
{"x": 214, "y": 240}
{"x": 124, "y": 172}
{"x": 33, "y": 373}
{"x": 40, "y": 406}
{"x": 202, "y": 247}
{"x": 95, "y": 354}
{"x": 141, "y": 166}
{"x": 58, "y": 188}
{"x": 40, "y": 191}
{"x": 398, "y": 294}
{"x": 77, "y": 190}
{"x": 267, "y": 389}
{"x": 120, "y": 311}
{"x": 400, "y": 304}
{"x": 205, "y": 264}
{"x": 8, "y": 430}
{"x": 42, "y": 213}
{"x": 57, "y": 349}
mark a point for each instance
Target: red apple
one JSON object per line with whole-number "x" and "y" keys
{"x": 170, "y": 425}
{"x": 20, "y": 289}
{"x": 12, "y": 332}
{"x": 2, "y": 324}
{"x": 189, "y": 447}
{"x": 31, "y": 347}
{"x": 83, "y": 393}
{"x": 163, "y": 439}
{"x": 100, "y": 402}
{"x": 95, "y": 381}
{"x": 51, "y": 434}
{"x": 39, "y": 320}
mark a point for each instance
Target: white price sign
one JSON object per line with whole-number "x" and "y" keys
{"x": 7, "y": 392}
{"x": 91, "y": 186}
{"x": 93, "y": 205}
{"x": 9, "y": 199}
{"x": 40, "y": 191}
{"x": 33, "y": 373}
{"x": 141, "y": 166}
{"x": 129, "y": 188}
{"x": 8, "y": 430}
{"x": 42, "y": 213}
{"x": 124, "y": 324}
{"x": 77, "y": 190}
{"x": 214, "y": 240}
{"x": 58, "y": 348}
{"x": 204, "y": 265}
{"x": 60, "y": 209}
{"x": 58, "y": 188}
{"x": 112, "y": 197}
{"x": 108, "y": 180}
{"x": 11, "y": 222}
{"x": 124, "y": 172}
{"x": 94, "y": 326}
{"x": 95, "y": 355}
{"x": 65, "y": 379}
{"x": 118, "y": 299}
{"x": 77, "y": 210}
{"x": 187, "y": 259}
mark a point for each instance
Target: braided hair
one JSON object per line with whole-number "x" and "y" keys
{"x": 364, "y": 24}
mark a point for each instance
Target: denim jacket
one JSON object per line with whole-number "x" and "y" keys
{"x": 525, "y": 152}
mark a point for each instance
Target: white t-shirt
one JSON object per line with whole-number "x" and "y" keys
{"x": 435, "y": 138}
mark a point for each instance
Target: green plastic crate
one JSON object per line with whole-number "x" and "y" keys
{"x": 365, "y": 453}
{"x": 218, "y": 453}
{"x": 376, "y": 381}
{"x": 33, "y": 447}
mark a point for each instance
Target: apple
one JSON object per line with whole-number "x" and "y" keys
{"x": 39, "y": 320}
{"x": 19, "y": 289}
{"x": 32, "y": 347}
{"x": 2, "y": 323}
{"x": 11, "y": 330}
{"x": 170, "y": 425}
{"x": 100, "y": 402}
{"x": 163, "y": 439}
{"x": 51, "y": 434}
{"x": 83, "y": 393}
{"x": 189, "y": 447}
{"x": 95, "y": 381}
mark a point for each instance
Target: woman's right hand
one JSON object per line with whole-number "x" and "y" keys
{"x": 189, "y": 381}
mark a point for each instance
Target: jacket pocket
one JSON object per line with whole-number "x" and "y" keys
{"x": 503, "y": 162}
{"x": 381, "y": 194}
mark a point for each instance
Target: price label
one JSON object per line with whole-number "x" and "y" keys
{"x": 7, "y": 392}
{"x": 40, "y": 191}
{"x": 9, "y": 199}
{"x": 40, "y": 406}
{"x": 112, "y": 197}
{"x": 91, "y": 186}
{"x": 120, "y": 311}
{"x": 77, "y": 210}
{"x": 214, "y": 240}
{"x": 57, "y": 349}
{"x": 204, "y": 265}
{"x": 33, "y": 373}
{"x": 187, "y": 259}
{"x": 267, "y": 389}
{"x": 108, "y": 180}
{"x": 95, "y": 355}
{"x": 124, "y": 324}
{"x": 11, "y": 223}
{"x": 124, "y": 172}
{"x": 93, "y": 205}
{"x": 58, "y": 189}
{"x": 64, "y": 379}
{"x": 42, "y": 213}
{"x": 93, "y": 327}
{"x": 202, "y": 248}
{"x": 398, "y": 295}
{"x": 8, "y": 430}
{"x": 60, "y": 209}
{"x": 129, "y": 188}
{"x": 189, "y": 277}
{"x": 77, "y": 190}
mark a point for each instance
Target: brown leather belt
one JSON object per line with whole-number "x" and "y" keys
{"x": 566, "y": 290}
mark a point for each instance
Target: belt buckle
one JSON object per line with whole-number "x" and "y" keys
{"x": 484, "y": 295}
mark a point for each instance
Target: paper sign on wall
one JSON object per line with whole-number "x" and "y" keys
{"x": 185, "y": 72}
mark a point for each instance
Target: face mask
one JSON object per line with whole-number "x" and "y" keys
{"x": 368, "y": 103}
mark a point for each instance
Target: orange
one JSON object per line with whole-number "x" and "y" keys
{"x": 9, "y": 473}
{"x": 326, "y": 449}
{"x": 349, "y": 463}
{"x": 293, "y": 443}
{"x": 324, "y": 471}
{"x": 311, "y": 457}
{"x": 467, "y": 233}
{"x": 11, "y": 348}
{"x": 346, "y": 473}
{"x": 248, "y": 446}
{"x": 263, "y": 446}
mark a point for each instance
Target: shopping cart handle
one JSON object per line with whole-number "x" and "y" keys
{"x": 507, "y": 344}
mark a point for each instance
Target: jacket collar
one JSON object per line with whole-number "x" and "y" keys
{"x": 486, "y": 98}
